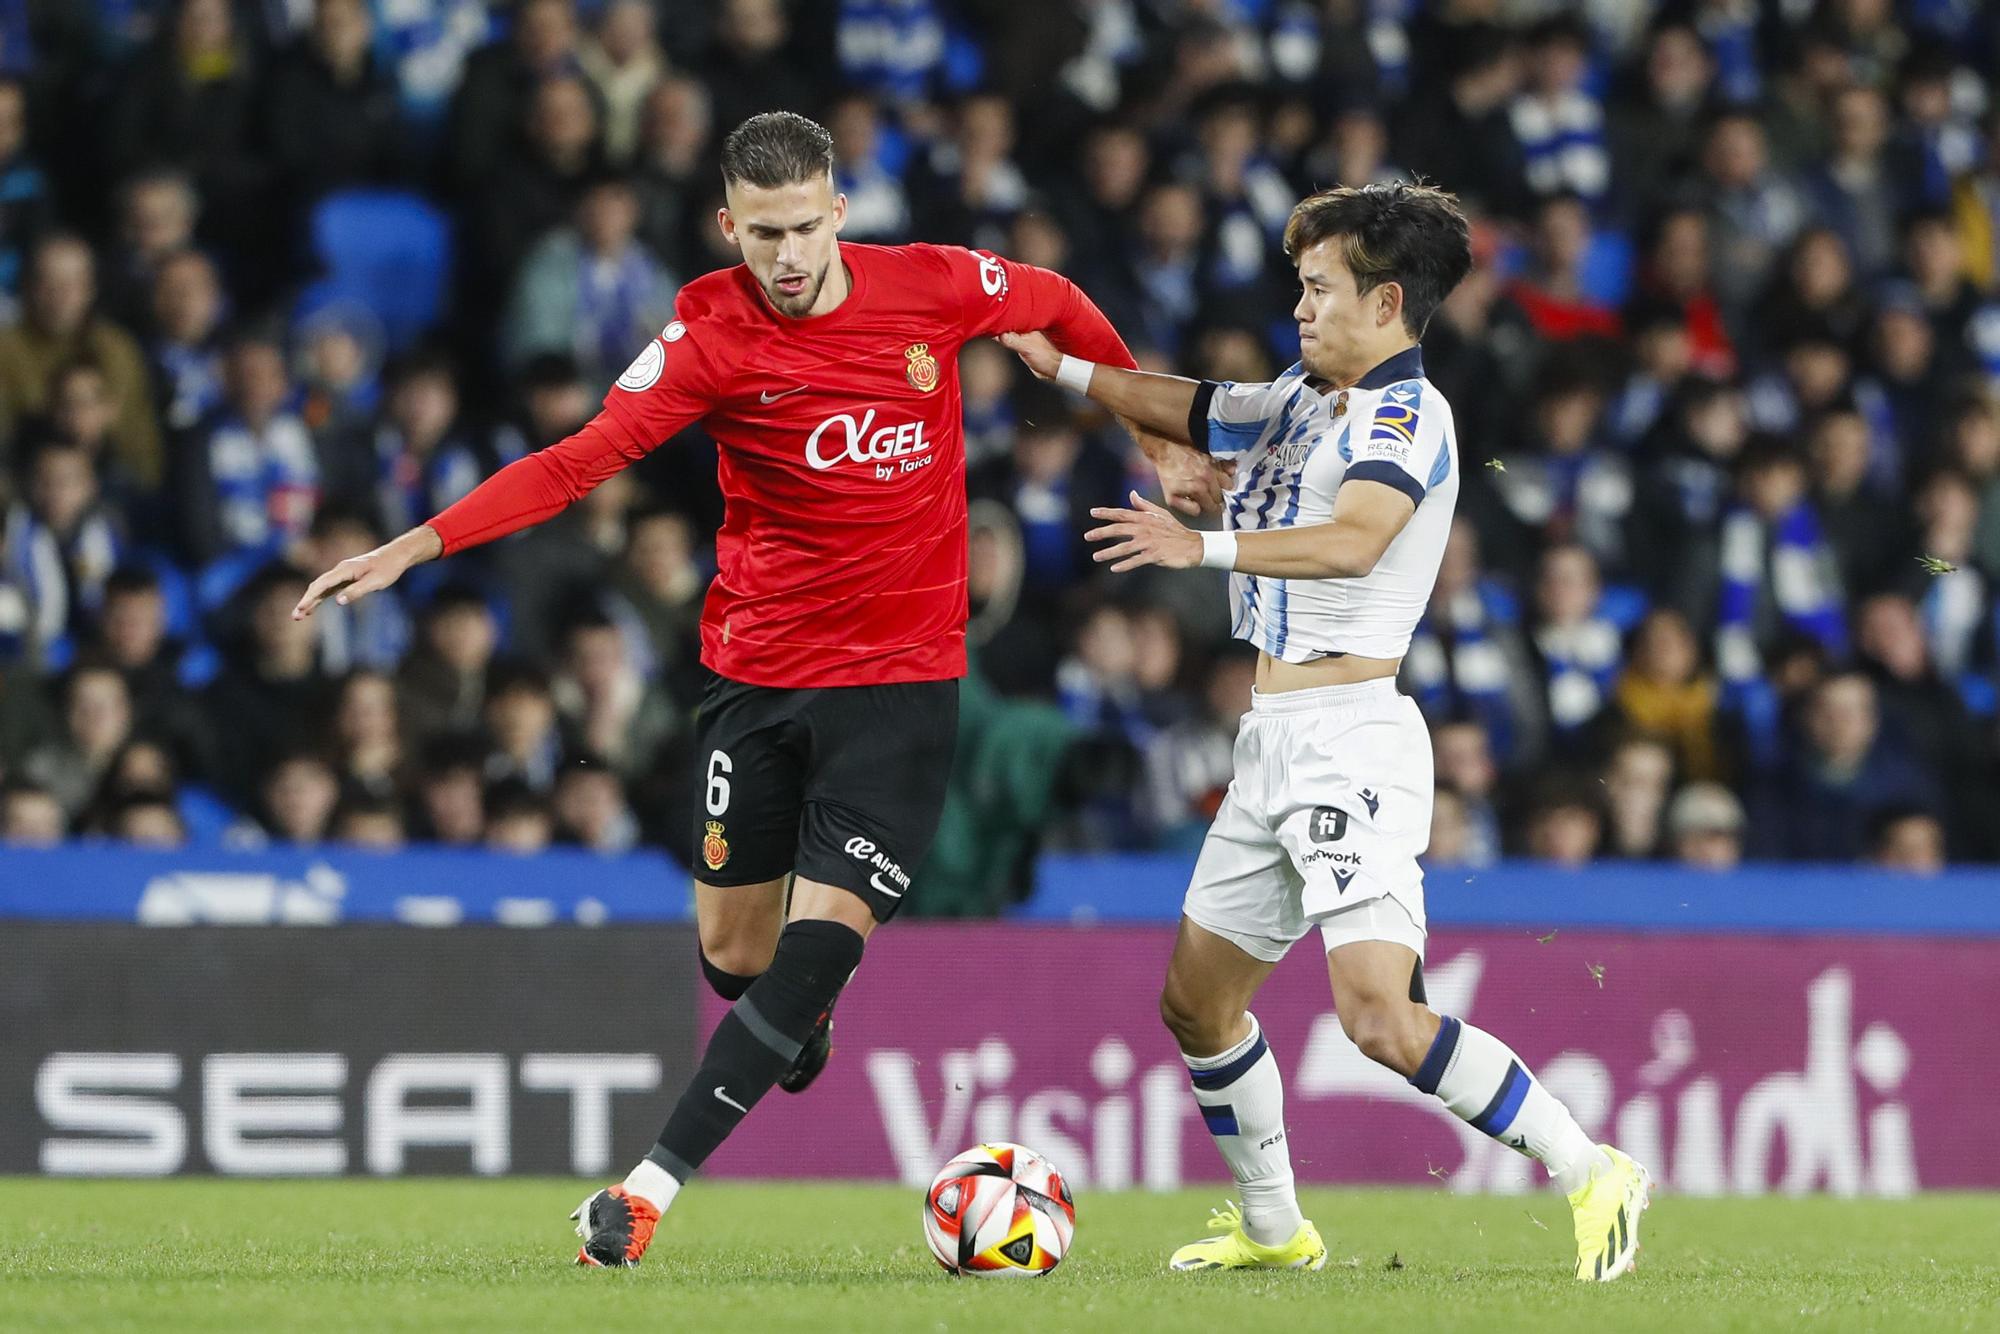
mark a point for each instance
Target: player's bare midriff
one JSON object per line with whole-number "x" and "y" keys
{"x": 1275, "y": 676}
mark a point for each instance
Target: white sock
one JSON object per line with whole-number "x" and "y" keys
{"x": 1484, "y": 1083}
{"x": 1242, "y": 1099}
{"x": 653, "y": 1184}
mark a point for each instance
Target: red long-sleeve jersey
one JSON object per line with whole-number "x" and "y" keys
{"x": 841, "y": 559}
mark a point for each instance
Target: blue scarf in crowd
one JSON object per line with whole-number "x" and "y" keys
{"x": 1457, "y": 666}
{"x": 1802, "y": 585}
{"x": 63, "y": 581}
{"x": 1581, "y": 664}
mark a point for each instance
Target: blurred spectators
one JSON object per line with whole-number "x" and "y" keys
{"x": 592, "y": 290}
{"x": 96, "y": 723}
{"x": 1844, "y": 775}
{"x": 1466, "y": 772}
{"x": 1725, "y": 378}
{"x": 57, "y": 327}
{"x": 1705, "y": 824}
{"x": 330, "y": 116}
{"x": 30, "y": 816}
{"x": 1907, "y": 840}
{"x": 1189, "y": 763}
{"x": 1664, "y": 692}
{"x": 250, "y": 476}
{"x": 1565, "y": 824}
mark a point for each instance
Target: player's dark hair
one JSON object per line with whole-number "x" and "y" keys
{"x": 777, "y": 148}
{"x": 1412, "y": 235}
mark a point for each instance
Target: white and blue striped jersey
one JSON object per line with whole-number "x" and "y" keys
{"x": 1294, "y": 446}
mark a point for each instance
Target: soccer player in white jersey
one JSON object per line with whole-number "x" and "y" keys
{"x": 1346, "y": 473}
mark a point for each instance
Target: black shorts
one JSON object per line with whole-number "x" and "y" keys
{"x": 842, "y": 784}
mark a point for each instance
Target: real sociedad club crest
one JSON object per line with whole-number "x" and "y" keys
{"x": 923, "y": 367}
{"x": 714, "y": 847}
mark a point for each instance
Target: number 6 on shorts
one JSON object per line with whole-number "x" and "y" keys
{"x": 718, "y": 784}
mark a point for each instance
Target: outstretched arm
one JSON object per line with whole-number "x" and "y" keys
{"x": 524, "y": 493}
{"x": 1366, "y": 518}
{"x": 668, "y": 385}
{"x": 1159, "y": 403}
{"x": 1003, "y": 298}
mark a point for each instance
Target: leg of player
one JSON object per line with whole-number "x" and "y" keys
{"x": 738, "y": 928}
{"x": 756, "y": 1043}
{"x": 1210, "y": 983}
{"x": 1485, "y": 1084}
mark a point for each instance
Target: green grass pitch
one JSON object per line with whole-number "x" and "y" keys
{"x": 494, "y": 1255}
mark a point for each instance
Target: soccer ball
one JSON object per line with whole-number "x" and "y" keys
{"x": 999, "y": 1211}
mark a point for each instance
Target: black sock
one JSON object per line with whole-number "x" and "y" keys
{"x": 757, "y": 1041}
{"x": 729, "y": 986}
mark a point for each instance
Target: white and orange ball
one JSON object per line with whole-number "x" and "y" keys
{"x": 999, "y": 1211}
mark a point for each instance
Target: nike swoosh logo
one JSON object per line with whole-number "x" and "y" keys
{"x": 767, "y": 397}
{"x": 875, "y": 879}
{"x": 720, "y": 1096}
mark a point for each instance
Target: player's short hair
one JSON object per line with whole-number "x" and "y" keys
{"x": 777, "y": 148}
{"x": 1413, "y": 235}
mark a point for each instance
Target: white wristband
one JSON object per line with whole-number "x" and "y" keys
{"x": 1218, "y": 551}
{"x": 1074, "y": 373}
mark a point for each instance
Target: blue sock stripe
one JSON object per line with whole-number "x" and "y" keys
{"x": 1438, "y": 1057}
{"x": 1223, "y": 1076}
{"x": 1221, "y": 1119}
{"x": 1506, "y": 1104}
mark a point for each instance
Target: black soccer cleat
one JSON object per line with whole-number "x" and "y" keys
{"x": 616, "y": 1229}
{"x": 812, "y": 1057}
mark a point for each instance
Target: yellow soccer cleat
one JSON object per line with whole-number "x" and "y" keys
{"x": 1234, "y": 1249}
{"x": 1607, "y": 1211}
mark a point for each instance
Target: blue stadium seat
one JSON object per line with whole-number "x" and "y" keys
{"x": 183, "y": 615}
{"x": 206, "y": 815}
{"x": 1608, "y": 267}
{"x": 218, "y": 581}
{"x": 384, "y": 249}
{"x": 1624, "y": 605}
{"x": 200, "y": 665}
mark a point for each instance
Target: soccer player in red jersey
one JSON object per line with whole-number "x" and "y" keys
{"x": 835, "y": 629}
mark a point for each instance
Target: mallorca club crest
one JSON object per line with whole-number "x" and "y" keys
{"x": 714, "y": 847}
{"x": 923, "y": 367}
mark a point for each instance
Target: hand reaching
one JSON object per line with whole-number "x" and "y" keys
{"x": 358, "y": 576}
{"x": 1036, "y": 352}
{"x": 1146, "y": 535}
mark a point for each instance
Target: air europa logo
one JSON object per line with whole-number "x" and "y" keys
{"x": 843, "y": 436}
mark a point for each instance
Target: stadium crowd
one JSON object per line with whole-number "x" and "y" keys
{"x": 1725, "y": 581}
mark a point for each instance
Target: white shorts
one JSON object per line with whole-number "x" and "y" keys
{"x": 1324, "y": 820}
